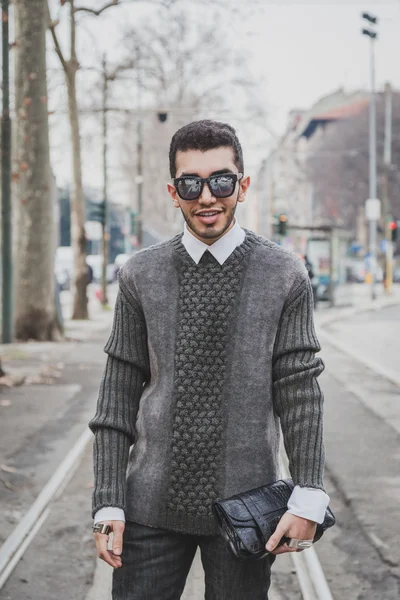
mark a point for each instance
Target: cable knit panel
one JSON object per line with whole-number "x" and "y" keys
{"x": 208, "y": 293}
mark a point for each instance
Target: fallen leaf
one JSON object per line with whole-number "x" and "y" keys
{"x": 8, "y": 469}
{"x": 7, "y": 484}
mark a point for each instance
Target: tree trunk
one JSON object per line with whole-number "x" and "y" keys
{"x": 78, "y": 237}
{"x": 35, "y": 281}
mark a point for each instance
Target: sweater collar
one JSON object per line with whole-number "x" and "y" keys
{"x": 221, "y": 249}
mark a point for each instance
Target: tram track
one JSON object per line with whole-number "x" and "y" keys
{"x": 19, "y": 540}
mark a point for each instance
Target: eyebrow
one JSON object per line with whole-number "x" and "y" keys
{"x": 220, "y": 172}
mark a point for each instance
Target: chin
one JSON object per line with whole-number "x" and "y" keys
{"x": 210, "y": 232}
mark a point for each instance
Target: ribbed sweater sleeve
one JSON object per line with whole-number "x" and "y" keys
{"x": 126, "y": 371}
{"x": 297, "y": 396}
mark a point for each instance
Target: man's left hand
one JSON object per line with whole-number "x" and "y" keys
{"x": 293, "y": 527}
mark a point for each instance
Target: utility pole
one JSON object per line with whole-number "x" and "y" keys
{"x": 6, "y": 225}
{"x": 139, "y": 150}
{"x": 387, "y": 217}
{"x": 104, "y": 223}
{"x": 373, "y": 204}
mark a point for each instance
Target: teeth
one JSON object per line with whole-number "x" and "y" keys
{"x": 208, "y": 214}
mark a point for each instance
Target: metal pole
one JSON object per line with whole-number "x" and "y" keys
{"x": 139, "y": 169}
{"x": 6, "y": 225}
{"x": 139, "y": 180}
{"x": 372, "y": 172}
{"x": 104, "y": 237}
{"x": 387, "y": 159}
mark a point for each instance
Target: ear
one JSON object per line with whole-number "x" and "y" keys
{"x": 244, "y": 186}
{"x": 174, "y": 194}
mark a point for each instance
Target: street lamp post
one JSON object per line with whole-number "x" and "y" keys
{"x": 104, "y": 224}
{"x": 387, "y": 217}
{"x": 372, "y": 207}
{"x": 139, "y": 151}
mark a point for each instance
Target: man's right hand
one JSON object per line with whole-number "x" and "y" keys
{"x": 111, "y": 557}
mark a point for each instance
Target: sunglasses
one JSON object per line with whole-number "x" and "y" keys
{"x": 191, "y": 187}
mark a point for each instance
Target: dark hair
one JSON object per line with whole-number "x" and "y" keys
{"x": 205, "y": 135}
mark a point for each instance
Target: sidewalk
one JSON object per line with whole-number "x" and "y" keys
{"x": 359, "y": 300}
{"x": 29, "y": 359}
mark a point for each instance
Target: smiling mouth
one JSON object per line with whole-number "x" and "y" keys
{"x": 208, "y": 213}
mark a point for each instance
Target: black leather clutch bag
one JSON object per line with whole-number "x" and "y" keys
{"x": 248, "y": 520}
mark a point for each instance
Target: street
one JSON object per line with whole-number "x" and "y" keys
{"x": 359, "y": 556}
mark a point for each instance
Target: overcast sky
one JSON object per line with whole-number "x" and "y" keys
{"x": 298, "y": 51}
{"x": 306, "y": 50}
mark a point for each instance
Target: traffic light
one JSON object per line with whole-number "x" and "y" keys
{"x": 282, "y": 225}
{"x": 393, "y": 226}
{"x": 370, "y": 18}
{"x": 374, "y": 21}
{"x": 97, "y": 212}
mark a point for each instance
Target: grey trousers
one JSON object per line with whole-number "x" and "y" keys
{"x": 156, "y": 562}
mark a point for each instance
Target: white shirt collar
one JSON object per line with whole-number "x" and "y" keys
{"x": 221, "y": 249}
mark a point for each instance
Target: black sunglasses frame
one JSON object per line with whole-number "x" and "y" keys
{"x": 234, "y": 176}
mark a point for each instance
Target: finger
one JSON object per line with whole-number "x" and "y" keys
{"x": 116, "y": 559}
{"x": 275, "y": 538}
{"x": 103, "y": 552}
{"x": 110, "y": 559}
{"x": 284, "y": 549}
{"x": 118, "y": 531}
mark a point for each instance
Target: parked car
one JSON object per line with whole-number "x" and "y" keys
{"x": 64, "y": 267}
{"x": 356, "y": 272}
{"x": 121, "y": 259}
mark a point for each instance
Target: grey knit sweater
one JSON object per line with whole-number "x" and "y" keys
{"x": 203, "y": 362}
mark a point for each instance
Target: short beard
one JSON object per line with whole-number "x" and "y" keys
{"x": 211, "y": 234}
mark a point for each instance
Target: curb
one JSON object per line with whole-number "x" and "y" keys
{"x": 355, "y": 310}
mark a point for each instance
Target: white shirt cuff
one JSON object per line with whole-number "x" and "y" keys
{"x": 309, "y": 503}
{"x": 109, "y": 513}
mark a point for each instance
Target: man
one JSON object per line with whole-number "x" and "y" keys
{"x": 212, "y": 346}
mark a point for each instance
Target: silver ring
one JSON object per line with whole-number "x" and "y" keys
{"x": 101, "y": 528}
{"x": 300, "y": 544}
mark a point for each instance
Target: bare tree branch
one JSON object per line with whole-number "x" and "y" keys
{"x": 73, "y": 33}
{"x": 52, "y": 26}
{"x": 94, "y": 11}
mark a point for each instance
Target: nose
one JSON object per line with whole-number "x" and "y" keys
{"x": 206, "y": 197}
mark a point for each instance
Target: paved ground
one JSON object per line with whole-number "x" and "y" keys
{"x": 360, "y": 555}
{"x": 39, "y": 423}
